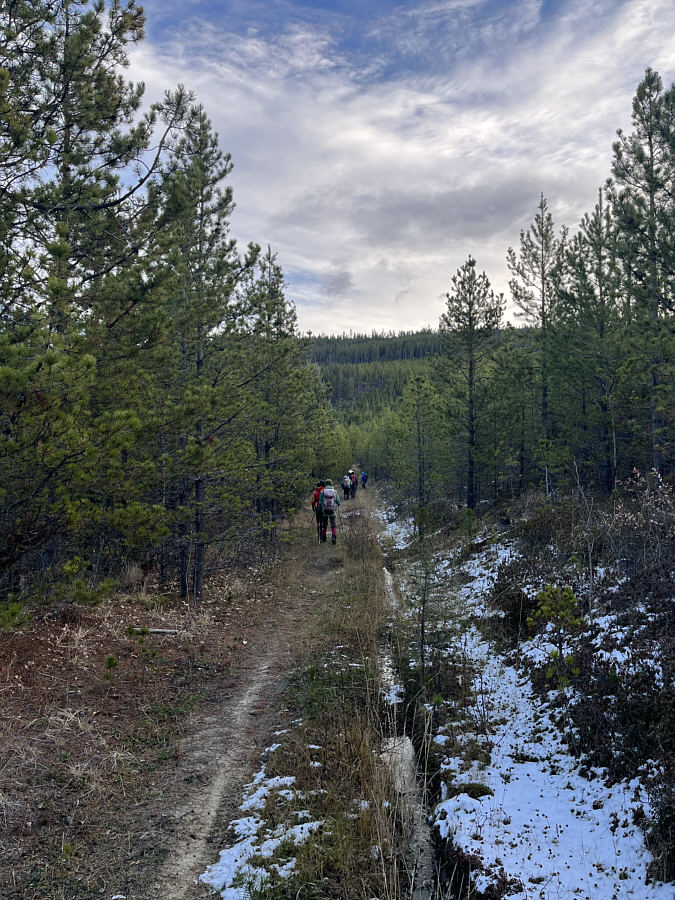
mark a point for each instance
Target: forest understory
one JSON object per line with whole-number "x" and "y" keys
{"x": 155, "y": 748}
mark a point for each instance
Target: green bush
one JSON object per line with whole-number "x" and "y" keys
{"x": 13, "y": 615}
{"x": 559, "y": 607}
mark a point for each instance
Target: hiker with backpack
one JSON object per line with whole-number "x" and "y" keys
{"x": 329, "y": 501}
{"x": 316, "y": 496}
{"x": 346, "y": 487}
{"x": 354, "y": 483}
{"x": 364, "y": 480}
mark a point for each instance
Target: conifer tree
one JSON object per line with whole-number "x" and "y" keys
{"x": 418, "y": 461}
{"x": 588, "y": 356}
{"x": 643, "y": 192}
{"x": 512, "y": 408}
{"x": 76, "y": 330}
{"x": 536, "y": 272}
{"x": 207, "y": 319}
{"x": 468, "y": 328}
{"x": 284, "y": 421}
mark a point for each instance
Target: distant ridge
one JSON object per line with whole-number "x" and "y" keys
{"x": 367, "y": 373}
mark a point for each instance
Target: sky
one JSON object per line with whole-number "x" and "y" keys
{"x": 376, "y": 145}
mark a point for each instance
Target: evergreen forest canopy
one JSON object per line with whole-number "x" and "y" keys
{"x": 367, "y": 375}
{"x": 158, "y": 405}
{"x": 147, "y": 361}
{"x": 579, "y": 394}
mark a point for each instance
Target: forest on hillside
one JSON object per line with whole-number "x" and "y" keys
{"x": 147, "y": 361}
{"x": 366, "y": 374}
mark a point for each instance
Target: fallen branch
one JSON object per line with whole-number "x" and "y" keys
{"x": 144, "y": 630}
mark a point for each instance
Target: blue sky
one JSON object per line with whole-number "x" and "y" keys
{"x": 376, "y": 145}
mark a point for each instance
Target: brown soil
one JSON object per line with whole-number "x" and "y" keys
{"x": 123, "y": 755}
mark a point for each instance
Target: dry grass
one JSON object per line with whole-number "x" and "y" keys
{"x": 335, "y": 752}
{"x": 89, "y": 713}
{"x": 82, "y": 755}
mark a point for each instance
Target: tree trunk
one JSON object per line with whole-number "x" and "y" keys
{"x": 471, "y": 474}
{"x": 198, "y": 572}
{"x": 421, "y": 494}
{"x": 607, "y": 473}
{"x": 183, "y": 546}
{"x": 521, "y": 455}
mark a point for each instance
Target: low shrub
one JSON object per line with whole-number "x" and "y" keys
{"x": 660, "y": 827}
{"x": 547, "y": 525}
{"x": 509, "y": 596}
{"x": 472, "y": 789}
{"x": 624, "y": 719}
{"x": 13, "y": 615}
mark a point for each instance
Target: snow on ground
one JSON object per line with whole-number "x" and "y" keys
{"x": 562, "y": 835}
{"x": 234, "y": 872}
{"x": 482, "y": 569}
{"x": 539, "y": 822}
{"x": 400, "y": 533}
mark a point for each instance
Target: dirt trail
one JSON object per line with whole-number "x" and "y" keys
{"x": 216, "y": 759}
{"x": 108, "y": 787}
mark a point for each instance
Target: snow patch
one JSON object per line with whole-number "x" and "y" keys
{"x": 561, "y": 835}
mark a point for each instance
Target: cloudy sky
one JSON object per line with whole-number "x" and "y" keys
{"x": 377, "y": 144}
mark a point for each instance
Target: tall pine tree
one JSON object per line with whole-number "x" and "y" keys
{"x": 536, "y": 271}
{"x": 643, "y": 192}
{"x": 468, "y": 328}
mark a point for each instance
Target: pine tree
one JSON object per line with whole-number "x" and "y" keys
{"x": 417, "y": 459}
{"x": 284, "y": 425}
{"x": 202, "y": 397}
{"x": 536, "y": 272}
{"x": 588, "y": 357}
{"x": 76, "y": 208}
{"x": 643, "y": 192}
{"x": 468, "y": 328}
{"x": 513, "y": 407}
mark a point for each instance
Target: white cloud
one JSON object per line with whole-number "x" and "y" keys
{"x": 374, "y": 189}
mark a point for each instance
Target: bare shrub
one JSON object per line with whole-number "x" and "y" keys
{"x": 545, "y": 525}
{"x": 509, "y": 596}
{"x": 640, "y": 524}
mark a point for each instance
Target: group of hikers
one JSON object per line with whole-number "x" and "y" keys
{"x": 325, "y": 502}
{"x": 350, "y": 484}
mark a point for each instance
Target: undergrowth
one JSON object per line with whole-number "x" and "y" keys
{"x": 334, "y": 750}
{"x": 592, "y": 580}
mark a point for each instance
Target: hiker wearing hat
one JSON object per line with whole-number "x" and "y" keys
{"x": 355, "y": 484}
{"x": 329, "y": 502}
